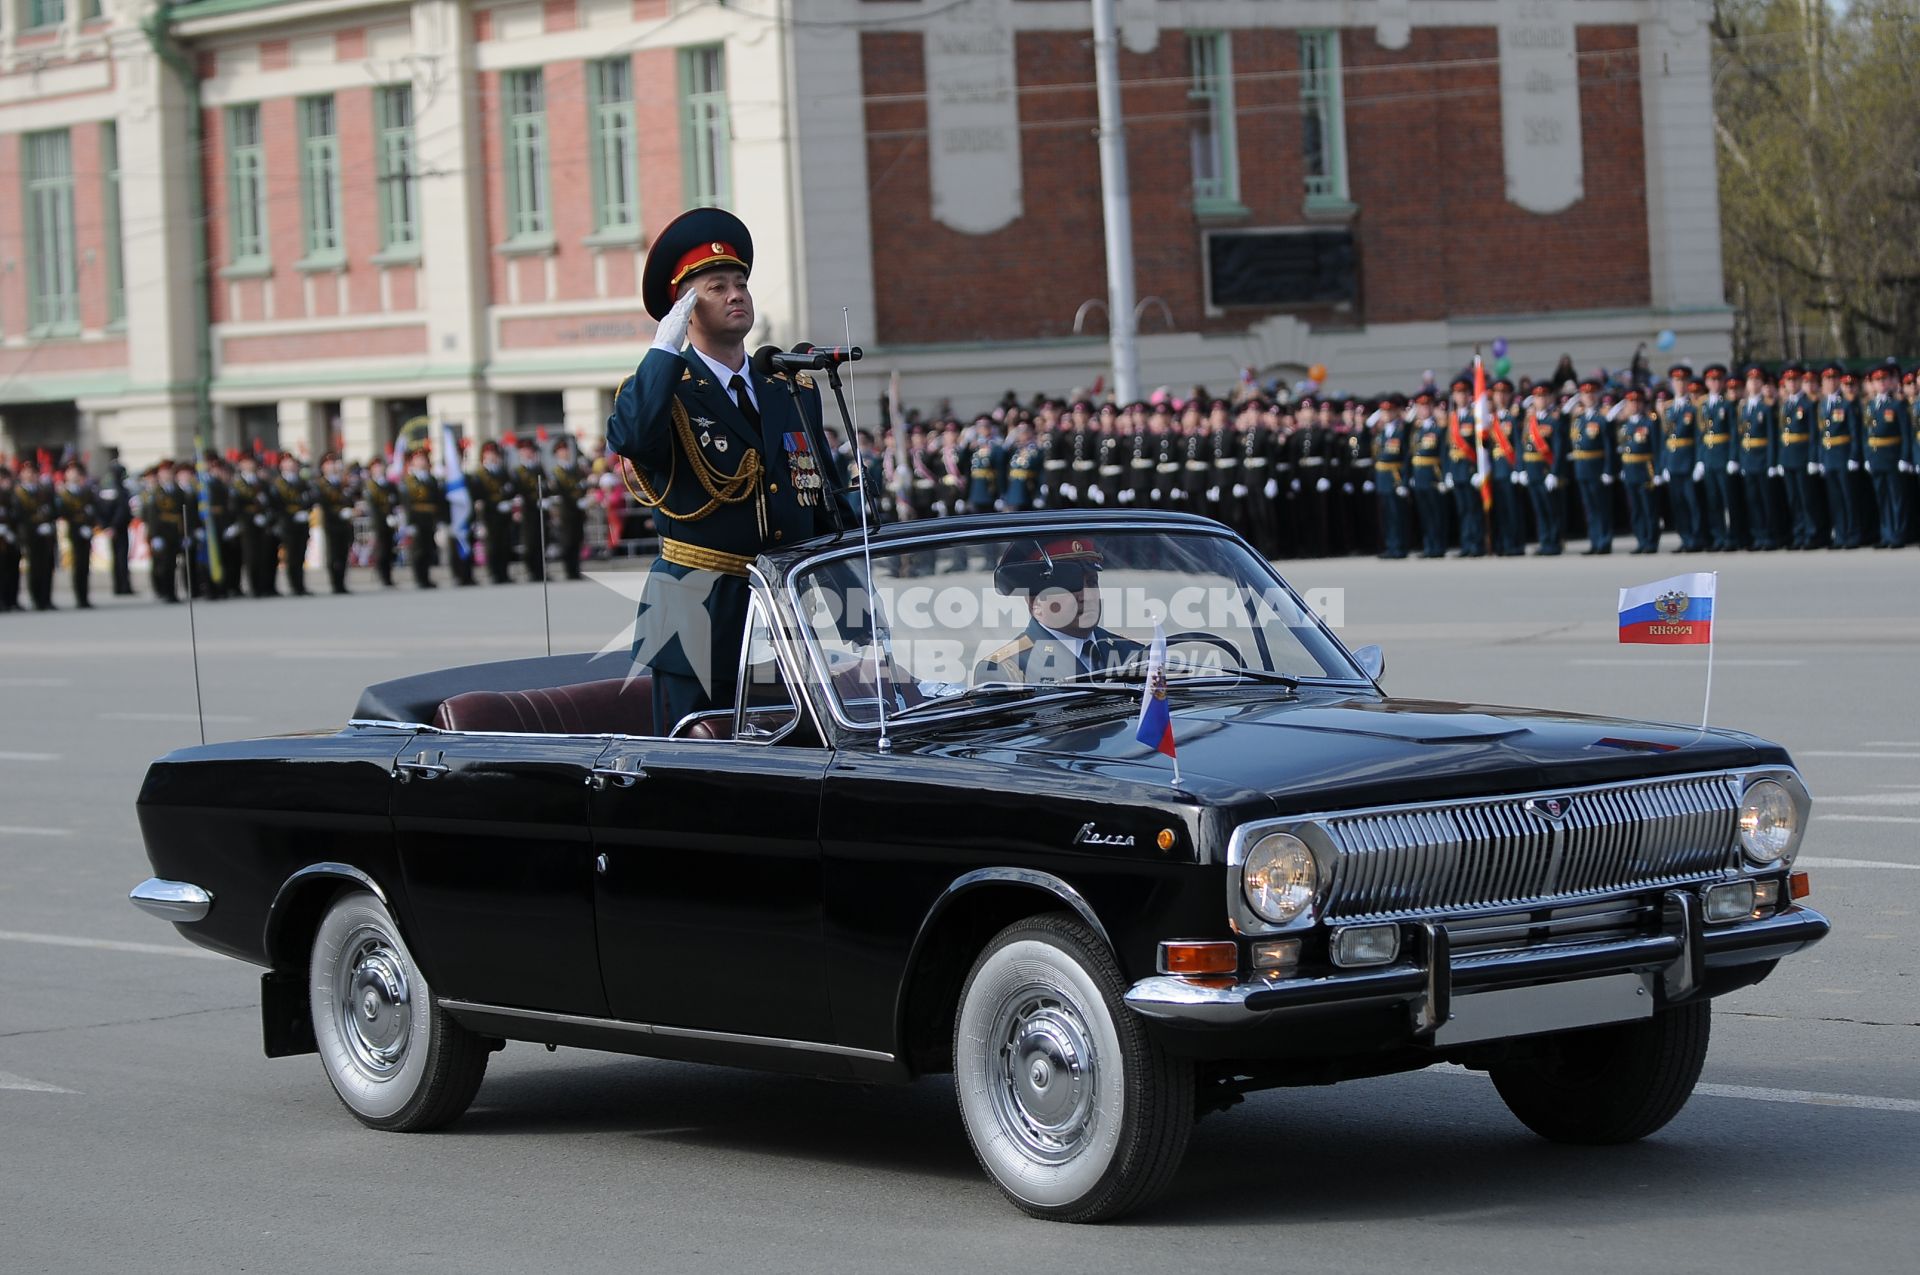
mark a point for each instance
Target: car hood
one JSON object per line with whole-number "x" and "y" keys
{"x": 1320, "y": 750}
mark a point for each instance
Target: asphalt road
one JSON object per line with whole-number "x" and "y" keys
{"x": 140, "y": 1129}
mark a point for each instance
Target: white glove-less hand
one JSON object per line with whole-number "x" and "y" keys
{"x": 1553, "y": 482}
{"x": 671, "y": 334}
{"x": 1699, "y": 470}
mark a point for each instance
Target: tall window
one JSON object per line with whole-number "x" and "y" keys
{"x": 45, "y": 13}
{"x": 320, "y": 179}
{"x": 246, "y": 185}
{"x": 1323, "y": 145}
{"x": 704, "y": 126}
{"x": 110, "y": 215}
{"x": 1216, "y": 168}
{"x": 616, "y": 204}
{"x": 526, "y": 113}
{"x": 393, "y": 111}
{"x": 53, "y": 303}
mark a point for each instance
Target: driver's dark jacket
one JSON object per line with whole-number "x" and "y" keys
{"x": 1038, "y": 656}
{"x": 673, "y": 402}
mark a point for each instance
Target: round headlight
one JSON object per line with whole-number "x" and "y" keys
{"x": 1768, "y": 822}
{"x": 1279, "y": 878}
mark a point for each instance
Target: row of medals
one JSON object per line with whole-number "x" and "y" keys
{"x": 805, "y": 471}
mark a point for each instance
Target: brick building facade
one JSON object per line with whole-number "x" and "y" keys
{"x": 441, "y": 206}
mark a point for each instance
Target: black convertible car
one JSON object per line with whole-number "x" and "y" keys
{"x": 926, "y": 838}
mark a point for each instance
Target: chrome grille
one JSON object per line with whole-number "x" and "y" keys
{"x": 1478, "y": 854}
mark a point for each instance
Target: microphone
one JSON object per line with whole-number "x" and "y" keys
{"x": 802, "y": 358}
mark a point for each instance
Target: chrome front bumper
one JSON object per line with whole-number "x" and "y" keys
{"x": 176, "y": 901}
{"x": 1678, "y": 957}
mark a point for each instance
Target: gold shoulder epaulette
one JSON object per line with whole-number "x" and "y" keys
{"x": 1006, "y": 653}
{"x": 686, "y": 374}
{"x": 804, "y": 381}
{"x": 623, "y": 386}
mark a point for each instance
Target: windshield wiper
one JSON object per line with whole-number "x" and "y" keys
{"x": 973, "y": 694}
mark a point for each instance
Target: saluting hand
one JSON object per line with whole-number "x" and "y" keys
{"x": 671, "y": 334}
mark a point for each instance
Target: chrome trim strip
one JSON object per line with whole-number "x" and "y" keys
{"x": 176, "y": 901}
{"x": 654, "y": 1029}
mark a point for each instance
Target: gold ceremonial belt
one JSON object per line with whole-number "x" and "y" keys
{"x": 1589, "y": 455}
{"x": 1675, "y": 443}
{"x": 1795, "y": 438}
{"x": 701, "y": 558}
{"x": 1836, "y": 440}
{"x": 1883, "y": 442}
{"x": 1715, "y": 440}
{"x": 1753, "y": 444}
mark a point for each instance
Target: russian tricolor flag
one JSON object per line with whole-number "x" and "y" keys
{"x": 1669, "y": 612}
{"x": 1156, "y": 723}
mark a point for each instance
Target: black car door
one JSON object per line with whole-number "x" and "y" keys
{"x": 708, "y": 896}
{"x": 498, "y": 862}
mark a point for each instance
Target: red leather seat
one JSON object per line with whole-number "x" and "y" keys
{"x": 616, "y": 706}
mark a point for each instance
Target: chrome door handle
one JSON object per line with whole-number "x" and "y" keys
{"x": 603, "y": 777}
{"x": 600, "y": 864}
{"x": 405, "y": 771}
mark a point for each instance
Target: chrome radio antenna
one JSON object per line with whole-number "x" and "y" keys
{"x": 540, "y": 515}
{"x": 866, "y": 544}
{"x": 193, "y": 634}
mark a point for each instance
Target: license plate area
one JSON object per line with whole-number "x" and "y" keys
{"x": 1548, "y": 1007}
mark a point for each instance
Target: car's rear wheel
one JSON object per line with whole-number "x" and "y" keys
{"x": 1072, "y": 1108}
{"x": 1608, "y": 1085}
{"x": 395, "y": 1058}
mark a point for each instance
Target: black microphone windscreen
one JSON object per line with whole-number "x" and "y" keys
{"x": 763, "y": 360}
{"x": 803, "y": 347}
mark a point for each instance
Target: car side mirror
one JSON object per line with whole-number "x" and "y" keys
{"x": 1373, "y": 660}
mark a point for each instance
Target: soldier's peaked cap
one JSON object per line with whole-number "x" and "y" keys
{"x": 1028, "y": 565}
{"x": 696, "y": 240}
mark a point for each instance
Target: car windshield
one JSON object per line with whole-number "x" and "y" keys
{"x": 967, "y": 622}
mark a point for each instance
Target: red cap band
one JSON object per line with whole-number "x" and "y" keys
{"x": 699, "y": 258}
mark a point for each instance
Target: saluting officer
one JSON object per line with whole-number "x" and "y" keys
{"x": 1759, "y": 456}
{"x": 1680, "y": 464}
{"x": 1463, "y": 471}
{"x": 1429, "y": 473}
{"x": 1799, "y": 420}
{"x": 1837, "y": 448}
{"x": 1889, "y": 430}
{"x": 1717, "y": 427}
{"x": 1637, "y": 439}
{"x": 1543, "y": 452}
{"x": 723, "y": 458}
{"x": 1590, "y": 448}
{"x": 1390, "y": 455}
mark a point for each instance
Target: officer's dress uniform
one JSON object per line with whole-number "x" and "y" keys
{"x": 572, "y": 496}
{"x": 727, "y": 471}
{"x": 493, "y": 492}
{"x": 984, "y": 462}
{"x": 1463, "y": 462}
{"x": 35, "y": 502}
{"x": 1543, "y": 452}
{"x": 1679, "y": 453}
{"x": 116, "y": 516}
{"x": 1590, "y": 448}
{"x": 1758, "y": 441}
{"x": 1719, "y": 501}
{"x": 10, "y": 536}
{"x": 163, "y": 510}
{"x": 1312, "y": 447}
{"x": 1509, "y": 515}
{"x": 426, "y": 504}
{"x": 1041, "y": 655}
{"x": 1889, "y": 445}
{"x": 383, "y": 519}
{"x": 1429, "y": 472}
{"x": 1357, "y": 447}
{"x": 1838, "y": 449}
{"x": 293, "y": 502}
{"x": 536, "y": 498}
{"x": 223, "y": 538}
{"x": 1638, "y": 441}
{"x": 1390, "y": 455}
{"x": 1223, "y": 454}
{"x": 79, "y": 509}
{"x": 253, "y": 513}
{"x": 1799, "y": 421}
{"x": 1257, "y": 448}
{"x": 1024, "y": 467}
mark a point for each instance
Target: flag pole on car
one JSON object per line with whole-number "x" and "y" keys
{"x": 1677, "y": 611}
{"x": 1155, "y": 728}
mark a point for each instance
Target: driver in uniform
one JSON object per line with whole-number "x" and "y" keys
{"x": 1060, "y": 579}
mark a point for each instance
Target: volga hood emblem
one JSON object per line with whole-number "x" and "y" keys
{"x": 1089, "y": 835}
{"x": 1552, "y": 809}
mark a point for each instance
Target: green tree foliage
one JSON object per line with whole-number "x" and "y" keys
{"x": 1817, "y": 114}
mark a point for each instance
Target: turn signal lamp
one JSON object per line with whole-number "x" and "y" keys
{"x": 1188, "y": 959}
{"x": 1276, "y": 958}
{"x": 1800, "y": 885}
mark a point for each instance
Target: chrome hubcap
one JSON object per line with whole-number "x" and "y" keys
{"x": 1046, "y": 1080}
{"x": 376, "y": 1004}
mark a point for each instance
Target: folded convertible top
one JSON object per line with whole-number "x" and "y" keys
{"x": 414, "y": 699}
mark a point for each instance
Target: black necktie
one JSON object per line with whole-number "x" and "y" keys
{"x": 1097, "y": 654}
{"x": 745, "y": 401}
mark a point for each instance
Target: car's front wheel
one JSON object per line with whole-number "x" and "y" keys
{"x": 1072, "y": 1108}
{"x": 397, "y": 1060}
{"x": 1608, "y": 1085}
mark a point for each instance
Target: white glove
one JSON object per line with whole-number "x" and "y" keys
{"x": 1699, "y": 470}
{"x": 1906, "y": 467}
{"x": 1295, "y": 485}
{"x": 1213, "y": 493}
{"x": 551, "y": 502}
{"x": 1240, "y": 489}
{"x": 1272, "y": 488}
{"x": 1606, "y": 480}
{"x": 1776, "y": 471}
{"x": 1659, "y": 480}
{"x": 1478, "y": 480}
{"x": 1347, "y": 488}
{"x": 259, "y": 520}
{"x": 1367, "y": 486}
{"x": 1039, "y": 502}
{"x": 230, "y": 533}
{"x": 45, "y": 528}
{"x": 1000, "y": 506}
{"x": 1400, "y": 492}
{"x": 1157, "y": 493}
{"x": 1733, "y": 467}
{"x": 584, "y": 502}
{"x": 1097, "y": 495}
{"x": 1070, "y": 491}
{"x": 393, "y": 520}
{"x": 504, "y": 506}
{"x": 1323, "y": 485}
{"x": 1521, "y": 478}
{"x": 1815, "y": 468}
{"x": 158, "y": 543}
{"x": 672, "y": 332}
{"x": 1852, "y": 465}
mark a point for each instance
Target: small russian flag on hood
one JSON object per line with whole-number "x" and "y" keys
{"x": 1156, "y": 723}
{"x": 1674, "y": 611}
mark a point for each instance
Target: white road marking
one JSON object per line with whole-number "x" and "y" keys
{"x": 1881, "y": 756}
{"x": 29, "y": 756}
{"x": 1909, "y": 798}
{"x": 167, "y": 717}
{"x": 1870, "y": 818}
{"x": 24, "y": 682}
{"x": 23, "y": 830}
{"x": 111, "y": 945}
{"x": 1824, "y": 862}
{"x": 1725, "y": 662}
{"x": 1890, "y": 743}
{"x": 10, "y": 1081}
{"x": 1803, "y": 1097}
